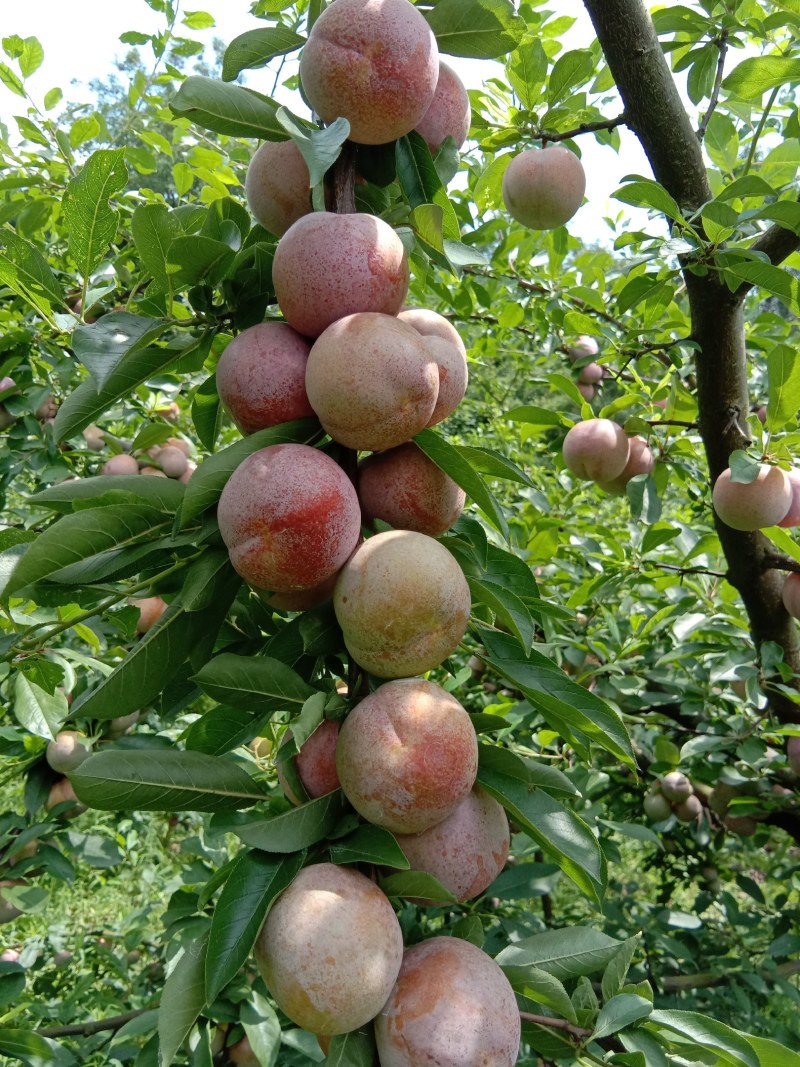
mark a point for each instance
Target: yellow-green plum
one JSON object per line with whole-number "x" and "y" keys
{"x": 450, "y": 113}
{"x": 792, "y": 516}
{"x": 121, "y": 464}
{"x": 372, "y": 381}
{"x": 277, "y": 186}
{"x": 327, "y": 266}
{"x": 67, "y": 751}
{"x": 405, "y": 488}
{"x": 403, "y": 603}
{"x": 330, "y": 949}
{"x": 467, "y": 850}
{"x": 790, "y": 594}
{"x": 289, "y": 517}
{"x": 640, "y": 461}
{"x": 544, "y": 187}
{"x": 261, "y": 377}
{"x": 373, "y": 62}
{"x": 596, "y": 449}
{"x": 407, "y": 755}
{"x": 753, "y": 505}
{"x": 451, "y": 1006}
{"x": 656, "y": 807}
{"x": 315, "y": 763}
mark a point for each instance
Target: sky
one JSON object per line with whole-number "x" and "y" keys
{"x": 81, "y": 39}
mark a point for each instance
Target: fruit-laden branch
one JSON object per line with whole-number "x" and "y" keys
{"x": 96, "y": 1026}
{"x": 657, "y": 116}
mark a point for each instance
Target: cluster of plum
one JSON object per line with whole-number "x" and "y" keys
{"x": 170, "y": 460}
{"x": 600, "y": 451}
{"x": 673, "y": 793}
{"x": 45, "y": 412}
{"x": 590, "y": 374}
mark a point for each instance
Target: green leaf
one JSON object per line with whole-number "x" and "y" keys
{"x": 416, "y": 885}
{"x": 291, "y": 831}
{"x": 256, "y": 48}
{"x": 569, "y": 71}
{"x": 207, "y": 413}
{"x": 11, "y": 81}
{"x": 369, "y": 844}
{"x": 544, "y": 988}
{"x": 31, "y": 57}
{"x": 775, "y": 280}
{"x": 770, "y": 1053}
{"x": 258, "y": 684}
{"x": 619, "y": 1012}
{"x": 421, "y": 183}
{"x": 646, "y": 193}
{"x": 83, "y": 130}
{"x": 154, "y": 227}
{"x": 356, "y": 1049}
{"x": 527, "y": 70}
{"x": 209, "y": 479}
{"x": 41, "y": 713}
{"x": 226, "y": 108}
{"x": 449, "y": 458}
{"x": 617, "y": 969}
{"x": 165, "y": 494}
{"x": 32, "y": 275}
{"x": 706, "y": 1033}
{"x": 506, "y": 605}
{"x": 783, "y": 375}
{"x": 33, "y": 1049}
{"x": 565, "y": 953}
{"x": 751, "y": 78}
{"x": 243, "y": 905}
{"x": 262, "y": 1029}
{"x": 744, "y": 469}
{"x": 163, "y": 780}
{"x": 91, "y": 221}
{"x": 198, "y": 20}
{"x": 82, "y": 535}
{"x": 103, "y": 345}
{"x": 481, "y": 29}
{"x": 222, "y": 729}
{"x": 494, "y": 465}
{"x": 319, "y": 148}
{"x": 182, "y": 1000}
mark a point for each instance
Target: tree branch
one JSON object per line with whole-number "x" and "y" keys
{"x": 585, "y": 127}
{"x": 556, "y": 1024}
{"x": 722, "y": 44}
{"x": 96, "y": 1026}
{"x": 705, "y": 980}
{"x": 777, "y": 244}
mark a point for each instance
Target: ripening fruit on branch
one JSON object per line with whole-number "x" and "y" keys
{"x": 405, "y": 488}
{"x": 689, "y": 810}
{"x": 596, "y": 449}
{"x": 402, "y": 602}
{"x": 790, "y": 594}
{"x": 407, "y": 755}
{"x": 173, "y": 461}
{"x": 289, "y": 517}
{"x": 591, "y": 374}
{"x": 277, "y": 186}
{"x": 450, "y": 113}
{"x": 121, "y": 464}
{"x": 676, "y": 787}
{"x": 261, "y": 377}
{"x": 372, "y": 381}
{"x": 432, "y": 324}
{"x": 792, "y": 516}
{"x": 61, "y": 792}
{"x": 450, "y": 354}
{"x": 315, "y": 763}
{"x": 9, "y": 911}
{"x": 373, "y": 62}
{"x": 300, "y": 599}
{"x": 753, "y": 505}
{"x": 330, "y": 949}
{"x": 327, "y": 266}
{"x": 656, "y": 806}
{"x": 467, "y": 850}
{"x": 640, "y": 461}
{"x": 584, "y": 346}
{"x": 151, "y": 608}
{"x": 544, "y": 187}
{"x": 67, "y": 751}
{"x": 451, "y": 1006}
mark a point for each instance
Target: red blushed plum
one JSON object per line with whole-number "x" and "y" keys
{"x": 451, "y": 1006}
{"x": 402, "y": 602}
{"x": 584, "y": 346}
{"x": 121, "y": 464}
{"x": 432, "y": 324}
{"x": 277, "y": 186}
{"x": 791, "y": 595}
{"x": 792, "y": 516}
{"x": 290, "y": 518}
{"x": 151, "y": 608}
{"x": 466, "y": 851}
{"x": 373, "y": 62}
{"x": 753, "y": 505}
{"x": 406, "y": 755}
{"x": 640, "y": 461}
{"x": 330, "y": 949}
{"x": 588, "y": 392}
{"x": 450, "y": 113}
{"x": 591, "y": 374}
{"x": 315, "y": 763}
{"x": 596, "y": 449}
{"x": 327, "y": 266}
{"x": 406, "y": 489}
{"x": 261, "y": 377}
{"x": 544, "y": 187}
{"x": 453, "y": 377}
{"x": 372, "y": 381}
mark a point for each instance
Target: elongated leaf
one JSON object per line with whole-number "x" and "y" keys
{"x": 416, "y": 885}
{"x": 262, "y": 1029}
{"x": 154, "y": 227}
{"x": 356, "y": 1049}
{"x": 494, "y": 465}
{"x": 165, "y": 494}
{"x": 207, "y": 413}
{"x": 101, "y": 346}
{"x": 619, "y": 1012}
{"x": 81, "y": 535}
{"x": 565, "y": 953}
{"x": 253, "y": 884}
{"x": 564, "y": 703}
{"x": 544, "y": 987}
{"x": 225, "y": 108}
{"x": 182, "y": 1000}
{"x": 770, "y": 1053}
{"x": 559, "y": 832}
{"x": 222, "y": 729}
{"x": 256, "y": 683}
{"x": 507, "y": 606}
{"x": 256, "y": 48}
{"x": 451, "y": 461}
{"x": 33, "y": 271}
{"x": 369, "y": 844}
{"x": 91, "y": 221}
{"x": 33, "y": 1049}
{"x": 647, "y": 193}
{"x": 753, "y": 77}
{"x": 209, "y": 479}
{"x": 783, "y": 372}
{"x": 707, "y": 1033}
{"x": 163, "y": 780}
{"x": 319, "y": 148}
{"x": 482, "y": 29}
{"x": 421, "y": 183}
{"x": 617, "y": 969}
{"x": 40, "y": 712}
{"x": 291, "y": 831}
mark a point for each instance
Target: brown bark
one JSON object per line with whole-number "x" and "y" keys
{"x": 657, "y": 116}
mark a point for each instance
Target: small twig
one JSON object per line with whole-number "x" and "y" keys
{"x": 776, "y": 561}
{"x": 556, "y": 1024}
{"x": 672, "y": 422}
{"x": 585, "y": 127}
{"x": 722, "y": 44}
{"x": 690, "y": 570}
{"x": 773, "y": 96}
{"x": 114, "y": 1022}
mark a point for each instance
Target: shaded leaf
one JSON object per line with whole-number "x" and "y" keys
{"x": 291, "y": 831}
{"x": 182, "y": 1000}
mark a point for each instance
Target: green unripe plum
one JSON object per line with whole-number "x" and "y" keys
{"x": 315, "y": 763}
{"x": 261, "y": 377}
{"x": 596, "y": 449}
{"x": 689, "y": 810}
{"x": 790, "y": 594}
{"x": 792, "y": 516}
{"x": 277, "y": 186}
{"x": 544, "y": 187}
{"x": 403, "y": 604}
{"x": 121, "y": 464}
{"x": 467, "y": 850}
{"x": 330, "y": 949}
{"x": 656, "y": 807}
{"x": 676, "y": 787}
{"x": 407, "y": 755}
{"x": 372, "y": 381}
{"x": 406, "y": 489}
{"x": 327, "y": 266}
{"x": 450, "y": 113}
{"x": 375, "y": 63}
{"x": 451, "y": 1006}
{"x": 289, "y": 517}
{"x": 793, "y": 754}
{"x": 753, "y": 505}
{"x": 67, "y": 751}
{"x": 640, "y": 461}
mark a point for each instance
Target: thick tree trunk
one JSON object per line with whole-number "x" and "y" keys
{"x": 657, "y": 116}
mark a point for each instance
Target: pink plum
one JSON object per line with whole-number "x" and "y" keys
{"x": 277, "y": 186}
{"x": 543, "y": 188}
{"x": 596, "y": 449}
{"x": 449, "y": 114}
{"x": 753, "y": 505}
{"x": 315, "y": 763}
{"x": 405, "y": 488}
